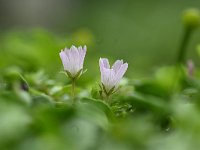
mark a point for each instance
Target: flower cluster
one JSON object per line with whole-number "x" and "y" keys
{"x": 73, "y": 60}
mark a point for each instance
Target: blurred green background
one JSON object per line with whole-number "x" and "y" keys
{"x": 157, "y": 106}
{"x": 144, "y": 33}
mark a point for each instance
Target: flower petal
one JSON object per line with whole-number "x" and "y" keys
{"x": 101, "y": 65}
{"x": 116, "y": 66}
{"x": 107, "y": 78}
{"x": 64, "y": 59}
{"x": 105, "y": 62}
{"x": 121, "y": 72}
{"x": 82, "y": 53}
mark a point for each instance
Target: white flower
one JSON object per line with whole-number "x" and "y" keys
{"x": 73, "y": 60}
{"x": 110, "y": 77}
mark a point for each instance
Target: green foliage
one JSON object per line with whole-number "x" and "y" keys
{"x": 37, "y": 112}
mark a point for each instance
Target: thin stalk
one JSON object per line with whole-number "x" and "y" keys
{"x": 181, "y": 57}
{"x": 183, "y": 45}
{"x": 73, "y": 90}
{"x": 107, "y": 98}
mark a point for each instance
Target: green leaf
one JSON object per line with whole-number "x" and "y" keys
{"x": 69, "y": 74}
{"x": 101, "y": 105}
{"x": 147, "y": 101}
{"x": 78, "y": 74}
{"x": 84, "y": 71}
{"x": 111, "y": 90}
{"x": 104, "y": 89}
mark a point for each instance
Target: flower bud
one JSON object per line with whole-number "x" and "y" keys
{"x": 191, "y": 18}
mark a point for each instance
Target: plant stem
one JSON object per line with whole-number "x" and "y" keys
{"x": 73, "y": 90}
{"x": 107, "y": 98}
{"x": 181, "y": 57}
{"x": 184, "y": 44}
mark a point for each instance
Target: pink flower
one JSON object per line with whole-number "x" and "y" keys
{"x": 110, "y": 77}
{"x": 73, "y": 60}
